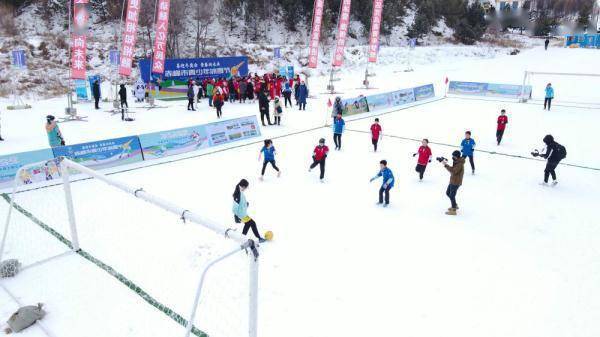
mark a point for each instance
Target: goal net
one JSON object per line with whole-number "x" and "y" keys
{"x": 570, "y": 89}
{"x": 99, "y": 249}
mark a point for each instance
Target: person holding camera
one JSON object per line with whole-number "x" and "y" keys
{"x": 457, "y": 171}
{"x": 554, "y": 154}
{"x": 55, "y": 137}
{"x": 388, "y": 183}
{"x": 468, "y": 148}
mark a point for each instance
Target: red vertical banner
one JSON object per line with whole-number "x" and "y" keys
{"x": 375, "y": 30}
{"x": 160, "y": 40}
{"x": 342, "y": 34}
{"x": 78, "y": 56}
{"x": 78, "y": 39}
{"x": 129, "y": 37}
{"x": 315, "y": 35}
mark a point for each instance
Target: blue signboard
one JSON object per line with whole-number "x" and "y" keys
{"x": 10, "y": 164}
{"x": 390, "y": 99}
{"x": 104, "y": 153}
{"x": 93, "y": 79}
{"x": 167, "y": 143}
{"x": 412, "y": 43}
{"x": 184, "y": 69}
{"x": 488, "y": 89}
{"x": 424, "y": 92}
{"x": 277, "y": 53}
{"x": 18, "y": 59}
{"x": 467, "y": 88}
{"x": 81, "y": 90}
{"x": 114, "y": 57}
{"x": 290, "y": 72}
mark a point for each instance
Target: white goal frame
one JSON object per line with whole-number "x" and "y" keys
{"x": 527, "y": 74}
{"x": 245, "y": 244}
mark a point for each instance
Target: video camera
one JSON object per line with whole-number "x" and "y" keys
{"x": 535, "y": 153}
{"x": 441, "y": 159}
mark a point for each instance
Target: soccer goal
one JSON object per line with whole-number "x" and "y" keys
{"x": 570, "y": 89}
{"x": 118, "y": 244}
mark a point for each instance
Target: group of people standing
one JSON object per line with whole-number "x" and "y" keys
{"x": 268, "y": 88}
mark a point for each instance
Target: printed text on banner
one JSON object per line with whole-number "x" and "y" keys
{"x": 129, "y": 37}
{"x": 160, "y": 41}
{"x": 315, "y": 35}
{"x": 375, "y": 30}
{"x": 342, "y": 34}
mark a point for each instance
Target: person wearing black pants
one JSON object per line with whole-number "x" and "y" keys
{"x": 338, "y": 128}
{"x": 319, "y": 156}
{"x": 123, "y": 97}
{"x": 240, "y": 210}
{"x": 337, "y": 140}
{"x": 268, "y": 151}
{"x": 549, "y": 96}
{"x": 554, "y": 154}
{"x": 96, "y": 94}
{"x": 263, "y": 106}
{"x": 457, "y": 171}
{"x": 191, "y": 97}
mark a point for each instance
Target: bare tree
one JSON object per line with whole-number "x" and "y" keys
{"x": 204, "y": 17}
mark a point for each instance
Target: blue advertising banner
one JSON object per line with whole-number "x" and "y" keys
{"x": 488, "y": 89}
{"x": 81, "y": 90}
{"x": 214, "y": 67}
{"x": 390, "y": 99}
{"x": 424, "y": 92}
{"x": 290, "y": 72}
{"x": 167, "y": 143}
{"x": 114, "y": 57}
{"x": 467, "y": 88}
{"x": 232, "y": 130}
{"x": 103, "y": 154}
{"x": 18, "y": 58}
{"x": 10, "y": 164}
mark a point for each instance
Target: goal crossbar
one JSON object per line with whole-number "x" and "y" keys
{"x": 561, "y": 74}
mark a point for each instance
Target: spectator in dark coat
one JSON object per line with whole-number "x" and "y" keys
{"x": 96, "y": 93}
{"x": 302, "y": 96}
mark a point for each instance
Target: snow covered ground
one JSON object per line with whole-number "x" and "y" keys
{"x": 519, "y": 260}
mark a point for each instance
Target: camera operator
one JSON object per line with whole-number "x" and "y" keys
{"x": 457, "y": 171}
{"x": 55, "y": 137}
{"x": 554, "y": 154}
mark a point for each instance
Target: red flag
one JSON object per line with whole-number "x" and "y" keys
{"x": 160, "y": 41}
{"x": 329, "y": 104}
{"x": 446, "y": 80}
{"x": 375, "y": 30}
{"x": 129, "y": 37}
{"x": 315, "y": 35}
{"x": 342, "y": 33}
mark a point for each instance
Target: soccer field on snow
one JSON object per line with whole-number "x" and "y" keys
{"x": 519, "y": 260}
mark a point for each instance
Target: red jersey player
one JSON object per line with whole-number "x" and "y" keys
{"x": 376, "y": 133}
{"x": 502, "y": 121}
{"x": 424, "y": 153}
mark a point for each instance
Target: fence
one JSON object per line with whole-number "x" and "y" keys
{"x": 126, "y": 150}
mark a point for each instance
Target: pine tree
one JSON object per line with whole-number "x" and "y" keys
{"x": 425, "y": 19}
{"x": 471, "y": 28}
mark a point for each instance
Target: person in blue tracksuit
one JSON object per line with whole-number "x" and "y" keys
{"x": 338, "y": 128}
{"x": 268, "y": 152}
{"x": 388, "y": 183}
{"x": 240, "y": 210}
{"x": 549, "y": 96}
{"x": 467, "y": 148}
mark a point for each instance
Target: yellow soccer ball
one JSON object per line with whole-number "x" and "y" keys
{"x": 268, "y": 235}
